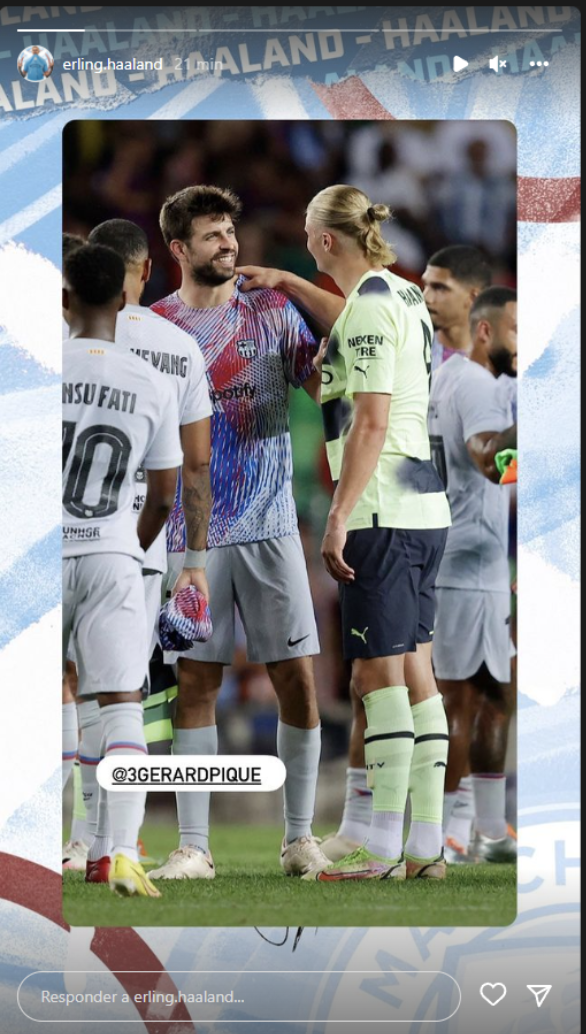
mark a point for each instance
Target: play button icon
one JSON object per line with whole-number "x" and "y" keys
{"x": 459, "y": 63}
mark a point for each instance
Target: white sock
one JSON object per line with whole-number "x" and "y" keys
{"x": 69, "y": 740}
{"x": 101, "y": 844}
{"x": 193, "y": 809}
{"x": 425, "y": 840}
{"x": 299, "y": 750}
{"x": 460, "y": 824}
{"x": 449, "y": 801}
{"x": 124, "y": 734}
{"x": 489, "y": 801}
{"x": 90, "y": 728}
{"x": 357, "y": 806}
{"x": 79, "y": 830}
{"x": 385, "y": 834}
{"x": 427, "y": 779}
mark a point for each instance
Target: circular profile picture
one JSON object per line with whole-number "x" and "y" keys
{"x": 35, "y": 63}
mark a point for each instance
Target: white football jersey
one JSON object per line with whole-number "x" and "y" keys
{"x": 170, "y": 350}
{"x": 508, "y": 386}
{"x": 118, "y": 414}
{"x": 173, "y": 352}
{"x": 466, "y": 400}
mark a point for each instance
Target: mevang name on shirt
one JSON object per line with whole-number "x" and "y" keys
{"x": 173, "y": 364}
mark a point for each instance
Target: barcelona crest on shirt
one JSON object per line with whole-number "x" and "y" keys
{"x": 246, "y": 349}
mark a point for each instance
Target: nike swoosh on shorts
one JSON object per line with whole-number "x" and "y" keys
{"x": 293, "y": 642}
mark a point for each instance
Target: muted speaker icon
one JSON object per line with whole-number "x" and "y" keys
{"x": 459, "y": 63}
{"x": 494, "y": 64}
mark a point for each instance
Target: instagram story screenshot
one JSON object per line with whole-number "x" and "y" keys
{"x": 289, "y": 644}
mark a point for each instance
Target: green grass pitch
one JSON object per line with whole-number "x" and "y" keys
{"x": 250, "y": 890}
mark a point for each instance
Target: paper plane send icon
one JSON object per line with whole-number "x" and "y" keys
{"x": 459, "y": 63}
{"x": 540, "y": 992}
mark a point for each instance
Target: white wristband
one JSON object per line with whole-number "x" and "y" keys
{"x": 195, "y": 558}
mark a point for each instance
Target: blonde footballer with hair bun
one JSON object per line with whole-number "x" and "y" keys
{"x": 347, "y": 210}
{"x": 385, "y": 535}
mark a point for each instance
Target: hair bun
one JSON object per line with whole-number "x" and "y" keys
{"x": 378, "y": 213}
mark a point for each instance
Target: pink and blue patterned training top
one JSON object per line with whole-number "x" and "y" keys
{"x": 255, "y": 345}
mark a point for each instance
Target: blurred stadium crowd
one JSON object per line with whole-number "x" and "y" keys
{"x": 446, "y": 183}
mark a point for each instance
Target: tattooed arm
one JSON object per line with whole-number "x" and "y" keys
{"x": 197, "y": 501}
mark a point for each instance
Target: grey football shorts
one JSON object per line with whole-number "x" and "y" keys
{"x": 267, "y": 582}
{"x": 104, "y": 613}
{"x": 472, "y": 628}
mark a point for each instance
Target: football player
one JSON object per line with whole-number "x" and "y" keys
{"x": 117, "y": 414}
{"x": 470, "y": 421}
{"x": 255, "y": 346}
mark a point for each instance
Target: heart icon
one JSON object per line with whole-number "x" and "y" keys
{"x": 493, "y": 993}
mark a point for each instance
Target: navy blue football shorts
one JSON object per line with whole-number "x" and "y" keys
{"x": 390, "y": 606}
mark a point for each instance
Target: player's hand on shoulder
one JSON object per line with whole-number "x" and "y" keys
{"x": 259, "y": 277}
{"x": 195, "y": 576}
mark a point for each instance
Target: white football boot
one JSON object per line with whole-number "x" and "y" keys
{"x": 186, "y": 863}
{"x": 302, "y": 855}
{"x": 504, "y": 850}
{"x": 74, "y": 856}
